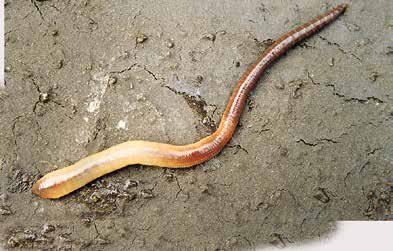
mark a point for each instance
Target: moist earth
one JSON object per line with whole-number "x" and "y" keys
{"x": 314, "y": 144}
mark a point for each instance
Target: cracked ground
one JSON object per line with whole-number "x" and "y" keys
{"x": 314, "y": 144}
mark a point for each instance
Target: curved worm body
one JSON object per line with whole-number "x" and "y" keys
{"x": 63, "y": 181}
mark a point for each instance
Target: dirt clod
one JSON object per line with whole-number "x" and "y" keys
{"x": 209, "y": 36}
{"x": 141, "y": 38}
{"x": 146, "y": 193}
{"x": 169, "y": 44}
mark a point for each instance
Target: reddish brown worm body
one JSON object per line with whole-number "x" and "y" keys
{"x": 63, "y": 181}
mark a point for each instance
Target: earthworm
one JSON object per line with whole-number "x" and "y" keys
{"x": 65, "y": 180}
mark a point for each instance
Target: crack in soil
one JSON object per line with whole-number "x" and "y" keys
{"x": 340, "y": 48}
{"x": 34, "y": 2}
{"x": 352, "y": 99}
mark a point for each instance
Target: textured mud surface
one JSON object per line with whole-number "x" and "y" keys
{"x": 314, "y": 144}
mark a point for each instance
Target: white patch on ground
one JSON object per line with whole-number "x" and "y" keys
{"x": 100, "y": 83}
{"x": 82, "y": 137}
{"x": 122, "y": 125}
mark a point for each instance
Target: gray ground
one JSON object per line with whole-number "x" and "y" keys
{"x": 314, "y": 144}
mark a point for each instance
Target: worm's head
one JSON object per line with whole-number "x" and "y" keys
{"x": 53, "y": 185}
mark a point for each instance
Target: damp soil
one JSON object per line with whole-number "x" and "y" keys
{"x": 314, "y": 144}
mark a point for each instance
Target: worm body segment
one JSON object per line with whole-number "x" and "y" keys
{"x": 65, "y": 180}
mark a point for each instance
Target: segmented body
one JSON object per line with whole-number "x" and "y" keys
{"x": 63, "y": 181}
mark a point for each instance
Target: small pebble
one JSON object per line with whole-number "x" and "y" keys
{"x": 251, "y": 104}
{"x": 167, "y": 54}
{"x": 374, "y": 75}
{"x": 331, "y": 63}
{"x": 277, "y": 241}
{"x": 47, "y": 228}
{"x": 204, "y": 189}
{"x": 60, "y": 64}
{"x": 44, "y": 96}
{"x": 13, "y": 242}
{"x": 55, "y": 33}
{"x": 222, "y": 32}
{"x": 146, "y": 194}
{"x": 86, "y": 222}
{"x": 73, "y": 109}
{"x": 7, "y": 69}
{"x": 384, "y": 197}
{"x": 169, "y": 177}
{"x": 141, "y": 38}
{"x": 112, "y": 80}
{"x": 191, "y": 180}
{"x": 205, "y": 120}
{"x": 95, "y": 197}
{"x": 370, "y": 195}
{"x": 199, "y": 78}
{"x": 169, "y": 44}
{"x": 5, "y": 210}
{"x": 231, "y": 242}
{"x": 279, "y": 86}
{"x": 140, "y": 97}
{"x": 174, "y": 66}
{"x": 389, "y": 50}
{"x": 125, "y": 55}
{"x": 130, "y": 183}
{"x": 362, "y": 42}
{"x": 322, "y": 196}
{"x": 209, "y": 36}
{"x": 128, "y": 196}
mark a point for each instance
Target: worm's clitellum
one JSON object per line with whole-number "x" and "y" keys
{"x": 65, "y": 180}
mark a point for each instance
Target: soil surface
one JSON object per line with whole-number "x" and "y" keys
{"x": 314, "y": 144}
